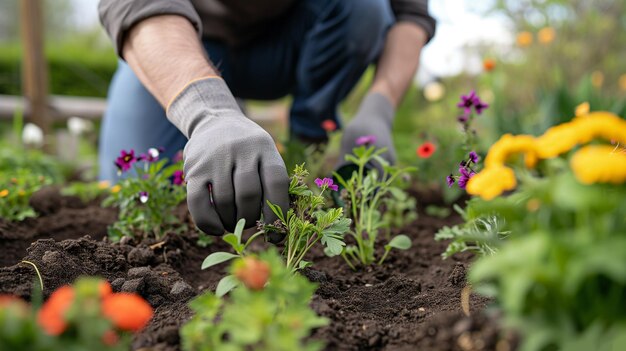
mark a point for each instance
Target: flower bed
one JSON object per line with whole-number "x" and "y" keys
{"x": 411, "y": 302}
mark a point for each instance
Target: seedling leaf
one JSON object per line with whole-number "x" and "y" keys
{"x": 217, "y": 258}
{"x": 225, "y": 285}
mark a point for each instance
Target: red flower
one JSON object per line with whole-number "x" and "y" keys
{"x": 426, "y": 150}
{"x": 329, "y": 125}
{"x": 51, "y": 316}
{"x": 489, "y": 64}
{"x": 253, "y": 273}
{"x": 127, "y": 311}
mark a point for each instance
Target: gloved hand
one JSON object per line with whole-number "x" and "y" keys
{"x": 374, "y": 118}
{"x": 231, "y": 164}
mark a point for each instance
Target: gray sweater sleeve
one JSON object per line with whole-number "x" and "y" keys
{"x": 415, "y": 11}
{"x": 118, "y": 16}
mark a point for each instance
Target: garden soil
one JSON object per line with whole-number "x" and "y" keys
{"x": 412, "y": 302}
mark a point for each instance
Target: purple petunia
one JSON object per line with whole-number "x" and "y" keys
{"x": 366, "y": 140}
{"x": 326, "y": 183}
{"x": 143, "y": 197}
{"x": 479, "y": 106}
{"x": 125, "y": 160}
{"x": 450, "y": 180}
{"x": 466, "y": 175}
{"x": 467, "y": 102}
{"x": 473, "y": 156}
{"x": 462, "y": 119}
{"x": 179, "y": 177}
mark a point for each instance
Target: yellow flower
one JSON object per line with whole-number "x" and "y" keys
{"x": 622, "y": 82}
{"x": 582, "y": 109}
{"x": 115, "y": 189}
{"x": 21, "y": 192}
{"x": 599, "y": 164}
{"x": 546, "y": 35}
{"x": 509, "y": 145}
{"x": 597, "y": 78}
{"x": 103, "y": 184}
{"x": 491, "y": 182}
{"x": 4, "y": 193}
{"x": 524, "y": 39}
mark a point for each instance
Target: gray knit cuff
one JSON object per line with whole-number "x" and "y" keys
{"x": 199, "y": 102}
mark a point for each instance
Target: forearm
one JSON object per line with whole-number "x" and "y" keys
{"x": 399, "y": 61}
{"x": 165, "y": 54}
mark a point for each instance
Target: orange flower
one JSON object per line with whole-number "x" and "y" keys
{"x": 524, "y": 39}
{"x": 546, "y": 35}
{"x": 51, "y": 316}
{"x": 16, "y": 305}
{"x": 489, "y": 64}
{"x": 105, "y": 289}
{"x": 4, "y": 193}
{"x": 253, "y": 273}
{"x": 110, "y": 338}
{"x": 426, "y": 150}
{"x": 127, "y": 311}
{"x": 329, "y": 125}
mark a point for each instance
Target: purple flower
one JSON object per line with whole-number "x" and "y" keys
{"x": 479, "y": 106}
{"x": 466, "y": 175}
{"x": 467, "y": 101}
{"x": 143, "y": 197}
{"x": 326, "y": 183}
{"x": 450, "y": 180}
{"x": 178, "y": 157}
{"x": 462, "y": 119}
{"x": 125, "y": 160}
{"x": 473, "y": 156}
{"x": 365, "y": 140}
{"x": 179, "y": 178}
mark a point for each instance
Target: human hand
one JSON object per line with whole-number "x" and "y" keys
{"x": 231, "y": 165}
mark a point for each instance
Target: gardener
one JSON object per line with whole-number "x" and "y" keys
{"x": 174, "y": 90}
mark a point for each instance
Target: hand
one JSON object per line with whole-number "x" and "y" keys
{"x": 231, "y": 165}
{"x": 374, "y": 119}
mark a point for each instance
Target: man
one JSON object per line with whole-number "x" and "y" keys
{"x": 187, "y": 60}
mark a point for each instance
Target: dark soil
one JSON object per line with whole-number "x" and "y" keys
{"x": 412, "y": 302}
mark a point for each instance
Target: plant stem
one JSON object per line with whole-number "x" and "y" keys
{"x": 36, "y": 270}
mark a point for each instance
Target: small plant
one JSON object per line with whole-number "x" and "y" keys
{"x": 363, "y": 194}
{"x": 305, "y": 224}
{"x": 85, "y": 316}
{"x": 87, "y": 192}
{"x": 15, "y": 192}
{"x": 269, "y": 312}
{"x": 482, "y": 235}
{"x": 146, "y": 200}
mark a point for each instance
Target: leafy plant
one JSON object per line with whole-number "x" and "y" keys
{"x": 147, "y": 199}
{"x": 15, "y": 192}
{"x": 482, "y": 235}
{"x": 363, "y": 194}
{"x": 265, "y": 315}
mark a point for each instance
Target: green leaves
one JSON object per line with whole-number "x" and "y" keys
{"x": 226, "y": 284}
{"x": 400, "y": 242}
{"x": 217, "y": 258}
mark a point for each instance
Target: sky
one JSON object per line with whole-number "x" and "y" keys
{"x": 460, "y": 24}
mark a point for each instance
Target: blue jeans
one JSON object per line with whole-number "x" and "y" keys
{"x": 316, "y": 52}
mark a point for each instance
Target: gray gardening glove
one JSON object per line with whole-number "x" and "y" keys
{"x": 231, "y": 165}
{"x": 374, "y": 118}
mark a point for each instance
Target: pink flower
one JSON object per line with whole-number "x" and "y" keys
{"x": 125, "y": 160}
{"x": 179, "y": 178}
{"x": 143, "y": 197}
{"x": 365, "y": 140}
{"x": 326, "y": 183}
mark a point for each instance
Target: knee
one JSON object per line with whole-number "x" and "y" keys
{"x": 368, "y": 24}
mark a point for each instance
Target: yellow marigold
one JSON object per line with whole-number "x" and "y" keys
{"x": 4, "y": 193}
{"x": 582, "y": 109}
{"x": 524, "y": 39}
{"x": 557, "y": 140}
{"x": 622, "y": 82}
{"x": 603, "y": 125}
{"x": 599, "y": 164}
{"x": 509, "y": 145}
{"x": 546, "y": 35}
{"x": 103, "y": 184}
{"x": 491, "y": 182}
{"x": 116, "y": 188}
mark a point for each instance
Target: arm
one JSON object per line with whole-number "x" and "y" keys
{"x": 399, "y": 61}
{"x": 165, "y": 53}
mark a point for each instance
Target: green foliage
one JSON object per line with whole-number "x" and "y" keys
{"x": 363, "y": 194}
{"x": 561, "y": 276}
{"x": 274, "y": 318}
{"x": 155, "y": 216}
{"x": 16, "y": 188}
{"x": 19, "y": 330}
{"x": 482, "y": 235}
{"x": 86, "y": 191}
{"x": 307, "y": 222}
